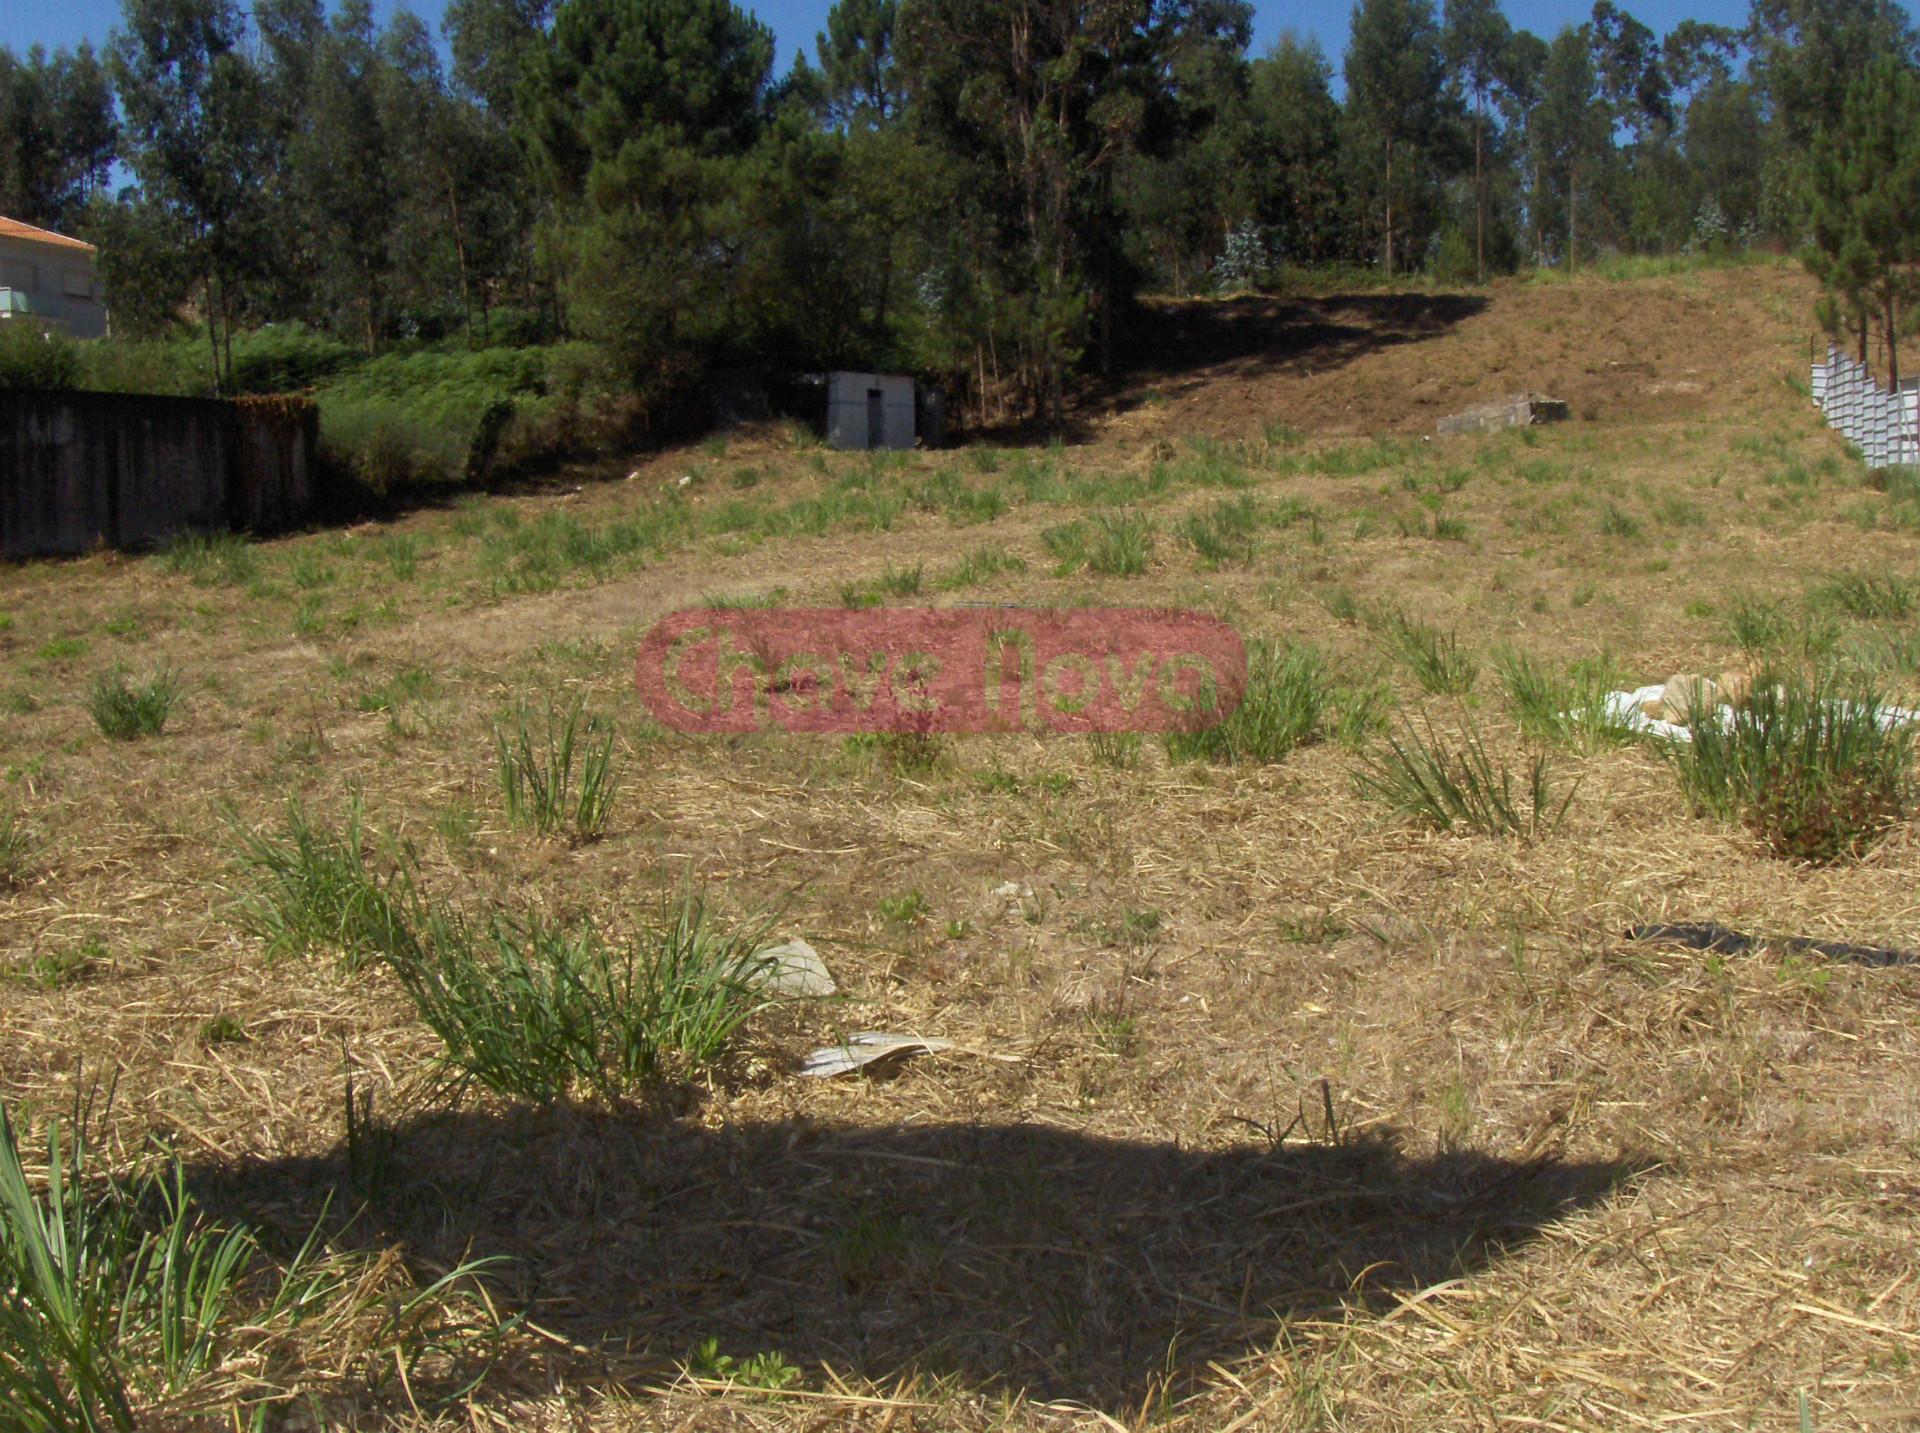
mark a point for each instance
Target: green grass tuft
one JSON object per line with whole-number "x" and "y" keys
{"x": 561, "y": 777}
{"x": 15, "y": 845}
{"x": 1813, "y": 771}
{"x": 1453, "y": 786}
{"x": 1285, "y": 706}
{"x": 1568, "y": 709}
{"x": 983, "y": 564}
{"x": 1871, "y": 596}
{"x": 1438, "y": 660}
{"x": 1361, "y": 713}
{"x": 1113, "y": 544}
{"x": 1616, "y": 521}
{"x": 1755, "y": 625}
{"x": 896, "y": 583}
{"x": 219, "y": 559}
{"x": 124, "y": 711}
{"x": 1341, "y": 604}
{"x": 310, "y": 890}
{"x": 1118, "y": 750}
{"x": 111, "y": 1295}
{"x": 1223, "y": 534}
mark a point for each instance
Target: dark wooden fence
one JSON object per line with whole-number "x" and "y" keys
{"x": 86, "y": 470}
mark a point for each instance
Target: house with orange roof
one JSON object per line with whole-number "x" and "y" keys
{"x": 47, "y": 279}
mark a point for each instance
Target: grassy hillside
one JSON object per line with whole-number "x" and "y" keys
{"x": 1282, "y": 1097}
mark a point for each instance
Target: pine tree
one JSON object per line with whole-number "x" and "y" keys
{"x": 859, "y": 81}
{"x": 639, "y": 115}
{"x": 1804, "y": 54}
{"x": 1040, "y": 101}
{"x": 1864, "y": 186}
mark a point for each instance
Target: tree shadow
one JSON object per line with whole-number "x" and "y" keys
{"x": 1172, "y": 348}
{"x": 1023, "y": 1257}
{"x": 1189, "y": 345}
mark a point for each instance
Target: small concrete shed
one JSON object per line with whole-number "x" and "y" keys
{"x": 870, "y": 410}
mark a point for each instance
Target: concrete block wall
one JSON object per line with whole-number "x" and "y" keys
{"x": 86, "y": 470}
{"x": 1883, "y": 423}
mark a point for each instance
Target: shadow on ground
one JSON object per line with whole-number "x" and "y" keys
{"x": 1195, "y": 342}
{"x": 1173, "y": 348}
{"x": 1017, "y": 1257}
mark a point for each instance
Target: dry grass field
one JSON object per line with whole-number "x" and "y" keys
{"x": 1275, "y": 1108}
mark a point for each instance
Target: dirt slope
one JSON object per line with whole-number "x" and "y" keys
{"x": 1707, "y": 344}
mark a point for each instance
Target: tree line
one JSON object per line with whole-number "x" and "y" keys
{"x": 972, "y": 189}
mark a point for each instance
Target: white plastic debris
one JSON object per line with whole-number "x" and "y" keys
{"x": 1628, "y": 709}
{"x": 868, "y": 1047}
{"x": 686, "y": 480}
{"x": 791, "y": 968}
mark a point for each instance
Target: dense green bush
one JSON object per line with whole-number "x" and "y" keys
{"x": 177, "y": 367}
{"x": 444, "y": 414}
{"x": 30, "y": 359}
{"x": 444, "y": 417}
{"x": 287, "y": 358}
{"x": 505, "y": 328}
{"x": 280, "y": 358}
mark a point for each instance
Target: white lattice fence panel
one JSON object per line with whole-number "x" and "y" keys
{"x": 1883, "y": 423}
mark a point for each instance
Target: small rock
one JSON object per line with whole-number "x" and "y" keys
{"x": 792, "y": 968}
{"x": 685, "y": 479}
{"x": 1736, "y": 688}
{"x": 1012, "y": 891}
{"x": 1522, "y": 410}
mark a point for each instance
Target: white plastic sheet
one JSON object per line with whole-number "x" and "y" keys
{"x": 1625, "y": 708}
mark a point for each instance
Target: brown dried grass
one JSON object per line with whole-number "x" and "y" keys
{"x": 1569, "y": 1182}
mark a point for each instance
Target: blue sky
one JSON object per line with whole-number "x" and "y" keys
{"x": 56, "y": 23}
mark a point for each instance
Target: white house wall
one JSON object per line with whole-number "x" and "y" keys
{"x": 42, "y": 276}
